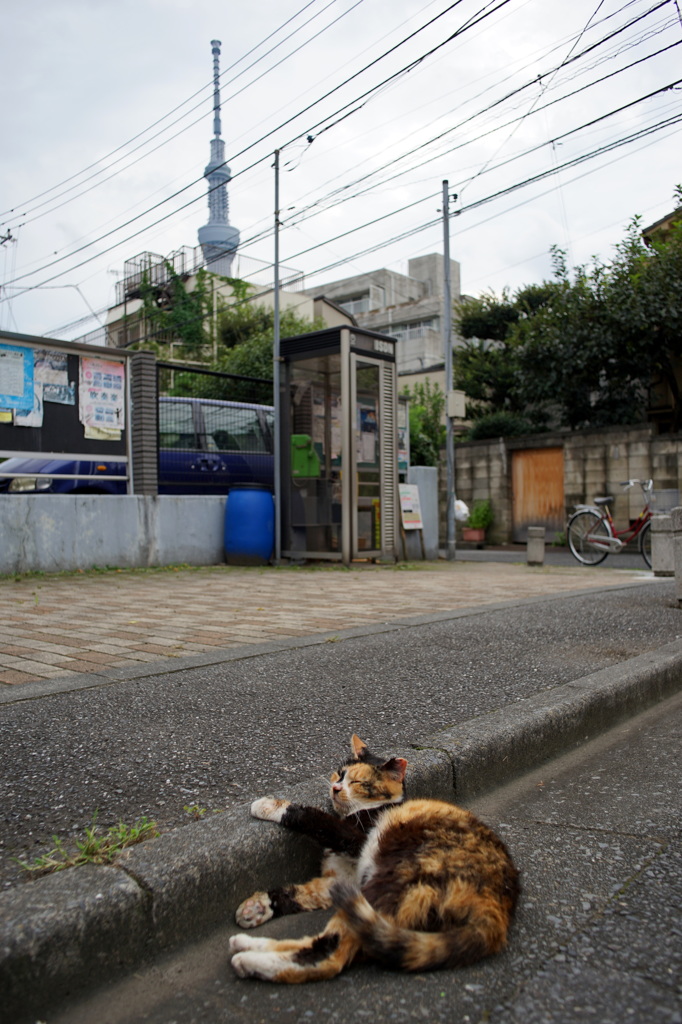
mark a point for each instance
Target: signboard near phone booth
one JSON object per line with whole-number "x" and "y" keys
{"x": 339, "y": 446}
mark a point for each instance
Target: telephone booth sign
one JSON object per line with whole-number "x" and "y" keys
{"x": 339, "y": 446}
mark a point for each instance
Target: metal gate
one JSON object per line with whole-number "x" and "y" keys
{"x": 537, "y": 492}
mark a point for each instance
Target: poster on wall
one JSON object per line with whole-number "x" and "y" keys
{"x": 16, "y": 377}
{"x": 101, "y": 394}
{"x": 31, "y": 417}
{"x": 366, "y": 441}
{"x": 62, "y": 394}
{"x": 50, "y": 366}
{"x": 51, "y": 370}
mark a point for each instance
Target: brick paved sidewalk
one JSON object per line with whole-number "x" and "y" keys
{"x": 52, "y": 626}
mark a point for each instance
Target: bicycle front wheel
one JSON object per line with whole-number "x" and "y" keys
{"x": 645, "y": 543}
{"x": 582, "y": 526}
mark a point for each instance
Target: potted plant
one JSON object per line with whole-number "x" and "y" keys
{"x": 480, "y": 518}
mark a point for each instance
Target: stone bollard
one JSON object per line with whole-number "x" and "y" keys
{"x": 662, "y": 553}
{"x": 535, "y": 545}
{"x": 676, "y": 517}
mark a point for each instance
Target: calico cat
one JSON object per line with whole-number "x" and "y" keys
{"x": 416, "y": 884}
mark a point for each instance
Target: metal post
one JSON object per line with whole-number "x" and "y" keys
{"x": 447, "y": 353}
{"x": 275, "y": 380}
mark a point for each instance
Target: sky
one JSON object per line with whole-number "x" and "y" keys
{"x": 554, "y": 124}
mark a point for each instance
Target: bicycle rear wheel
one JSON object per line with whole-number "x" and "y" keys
{"x": 582, "y": 526}
{"x": 645, "y": 543}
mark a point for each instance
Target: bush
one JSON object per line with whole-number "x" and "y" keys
{"x": 499, "y": 424}
{"x": 427, "y": 433}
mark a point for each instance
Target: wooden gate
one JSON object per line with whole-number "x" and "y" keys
{"x": 537, "y": 492}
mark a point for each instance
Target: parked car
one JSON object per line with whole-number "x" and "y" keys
{"x": 204, "y": 448}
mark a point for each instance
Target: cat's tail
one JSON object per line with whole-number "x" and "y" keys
{"x": 407, "y": 950}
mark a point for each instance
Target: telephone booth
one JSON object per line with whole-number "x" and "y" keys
{"x": 339, "y": 446}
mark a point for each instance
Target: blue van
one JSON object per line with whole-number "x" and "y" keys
{"x": 205, "y": 447}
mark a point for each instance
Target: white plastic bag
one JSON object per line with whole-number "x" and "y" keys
{"x": 461, "y": 511}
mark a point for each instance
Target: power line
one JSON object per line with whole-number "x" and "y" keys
{"x": 418, "y": 229}
{"x": 534, "y": 179}
{"x": 300, "y": 215}
{"x": 160, "y": 120}
{"x": 171, "y": 138}
{"x": 479, "y": 113}
{"x": 543, "y": 89}
{"x": 470, "y": 22}
{"x": 185, "y": 206}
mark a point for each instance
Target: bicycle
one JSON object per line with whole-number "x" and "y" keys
{"x": 592, "y": 535}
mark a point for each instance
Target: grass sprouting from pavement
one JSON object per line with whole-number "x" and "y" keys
{"x": 96, "y": 848}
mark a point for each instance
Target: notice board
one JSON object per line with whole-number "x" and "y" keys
{"x": 52, "y": 400}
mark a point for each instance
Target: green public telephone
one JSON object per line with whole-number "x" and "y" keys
{"x": 304, "y": 459}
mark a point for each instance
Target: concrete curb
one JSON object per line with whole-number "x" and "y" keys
{"x": 66, "y": 932}
{"x": 488, "y": 751}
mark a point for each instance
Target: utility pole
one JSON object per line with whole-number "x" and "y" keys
{"x": 275, "y": 381}
{"x": 447, "y": 353}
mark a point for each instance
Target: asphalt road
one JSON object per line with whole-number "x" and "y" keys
{"x": 217, "y": 736}
{"x": 597, "y": 935}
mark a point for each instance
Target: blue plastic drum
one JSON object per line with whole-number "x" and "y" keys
{"x": 249, "y": 525}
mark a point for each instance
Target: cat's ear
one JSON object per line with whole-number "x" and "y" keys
{"x": 396, "y": 768}
{"x": 358, "y": 747}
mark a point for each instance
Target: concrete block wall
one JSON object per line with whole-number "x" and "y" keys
{"x": 481, "y": 471}
{"x": 58, "y": 532}
{"x": 595, "y": 463}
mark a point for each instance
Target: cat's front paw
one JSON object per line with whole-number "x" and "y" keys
{"x": 254, "y": 911}
{"x": 268, "y": 808}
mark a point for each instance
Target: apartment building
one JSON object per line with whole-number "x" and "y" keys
{"x": 409, "y": 307}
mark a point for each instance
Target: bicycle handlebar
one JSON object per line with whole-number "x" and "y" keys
{"x": 646, "y": 485}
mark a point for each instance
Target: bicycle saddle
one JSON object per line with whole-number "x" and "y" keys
{"x": 603, "y": 501}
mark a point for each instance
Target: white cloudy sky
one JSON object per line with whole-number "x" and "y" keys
{"x": 106, "y": 119}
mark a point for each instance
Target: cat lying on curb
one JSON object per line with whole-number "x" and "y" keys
{"x": 416, "y": 884}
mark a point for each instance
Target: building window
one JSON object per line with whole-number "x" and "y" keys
{"x": 355, "y": 303}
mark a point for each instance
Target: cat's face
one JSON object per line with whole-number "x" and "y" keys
{"x": 365, "y": 781}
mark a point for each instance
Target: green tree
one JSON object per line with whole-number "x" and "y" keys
{"x": 427, "y": 432}
{"x": 582, "y": 349}
{"x": 246, "y": 335}
{"x": 487, "y": 317}
{"x": 487, "y": 372}
{"x": 487, "y": 366}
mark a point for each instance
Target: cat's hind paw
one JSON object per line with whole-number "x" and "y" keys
{"x": 254, "y": 911}
{"x": 238, "y": 943}
{"x": 254, "y": 958}
{"x": 249, "y": 964}
{"x": 268, "y": 808}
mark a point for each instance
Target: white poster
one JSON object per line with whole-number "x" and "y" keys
{"x": 101, "y": 394}
{"x": 410, "y": 507}
{"x": 16, "y": 377}
{"x": 50, "y": 366}
{"x": 31, "y": 417}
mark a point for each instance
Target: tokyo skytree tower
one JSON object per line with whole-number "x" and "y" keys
{"x": 218, "y": 239}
